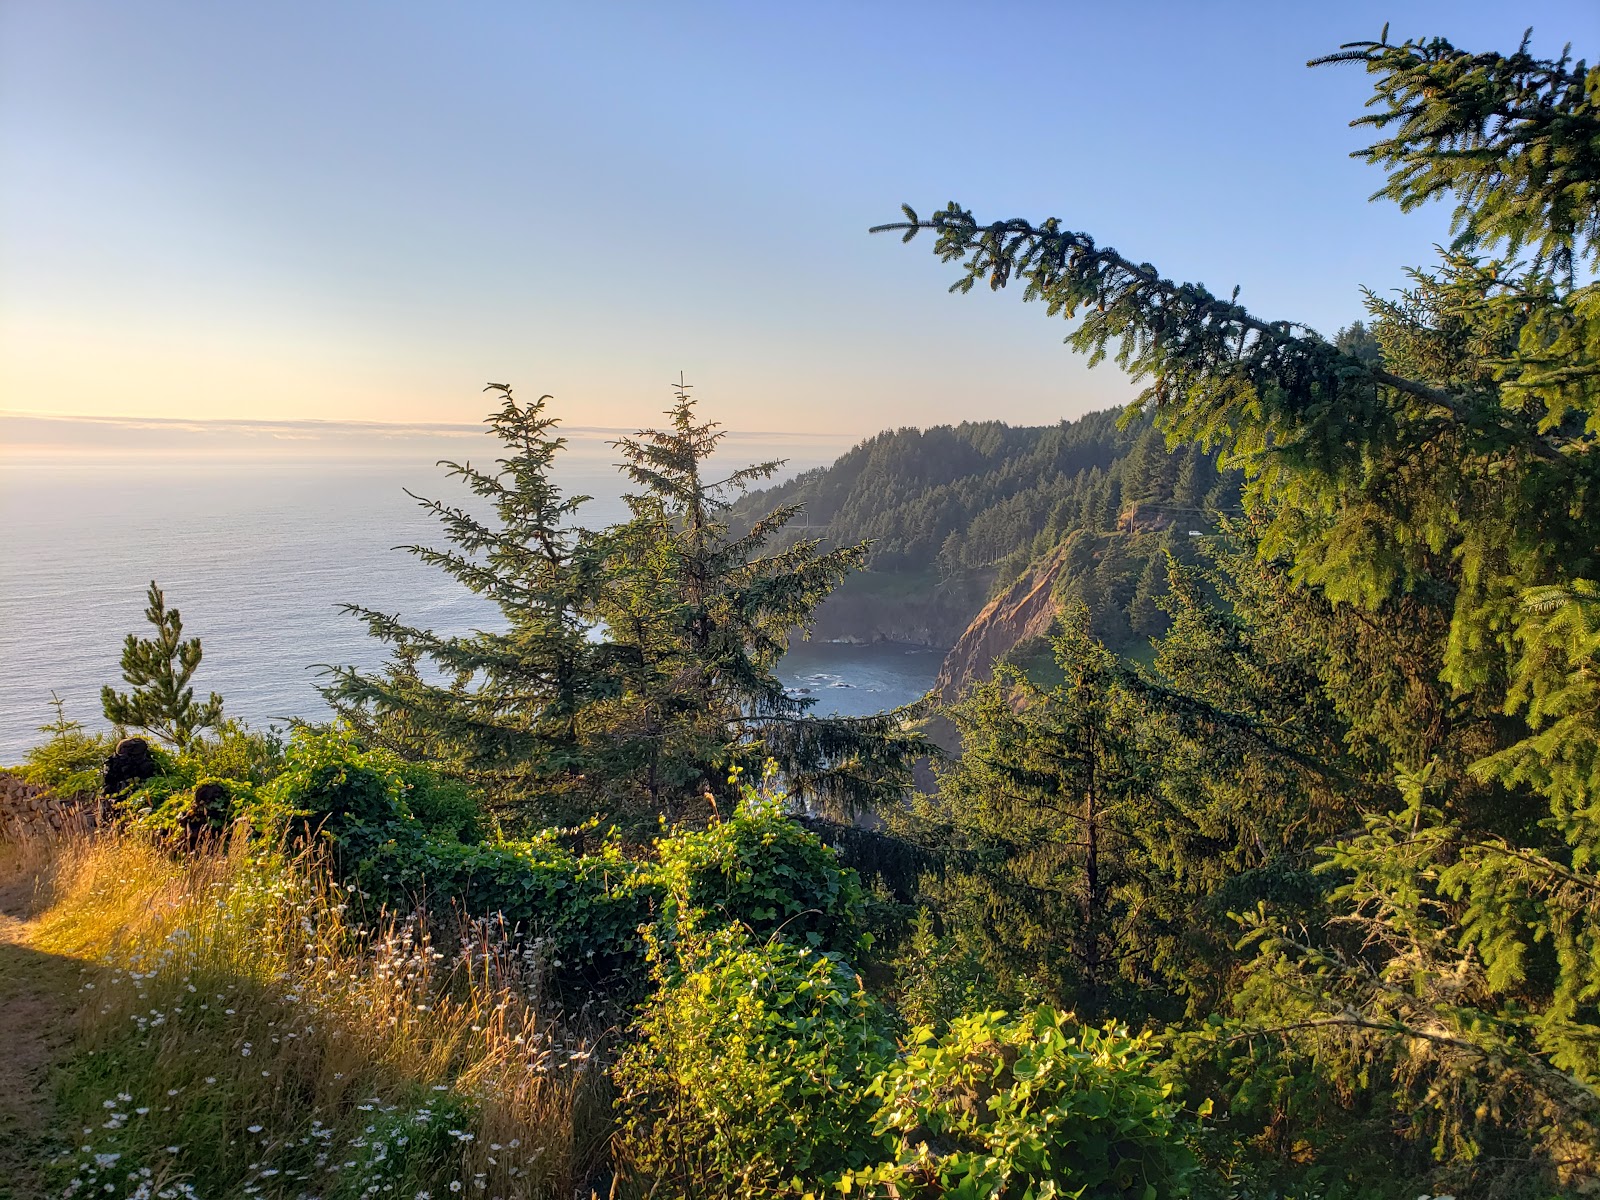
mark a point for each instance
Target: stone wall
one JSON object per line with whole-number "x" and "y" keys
{"x": 28, "y": 810}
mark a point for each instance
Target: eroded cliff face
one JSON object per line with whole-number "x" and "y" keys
{"x": 1024, "y": 610}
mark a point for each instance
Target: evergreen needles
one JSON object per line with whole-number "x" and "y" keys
{"x": 159, "y": 669}
{"x": 635, "y": 666}
{"x": 1388, "y": 722}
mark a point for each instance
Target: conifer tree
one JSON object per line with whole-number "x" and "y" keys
{"x": 502, "y": 708}
{"x": 158, "y": 670}
{"x": 1144, "y": 613}
{"x": 1436, "y": 503}
{"x": 1042, "y": 809}
{"x": 697, "y": 619}
{"x": 635, "y": 663}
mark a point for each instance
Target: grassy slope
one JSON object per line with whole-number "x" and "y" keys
{"x": 237, "y": 1033}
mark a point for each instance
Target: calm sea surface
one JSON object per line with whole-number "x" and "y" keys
{"x": 258, "y": 552}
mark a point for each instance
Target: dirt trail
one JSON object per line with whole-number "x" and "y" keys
{"x": 36, "y": 998}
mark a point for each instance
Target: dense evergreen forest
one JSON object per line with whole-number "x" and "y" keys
{"x": 1301, "y": 901}
{"x": 952, "y": 512}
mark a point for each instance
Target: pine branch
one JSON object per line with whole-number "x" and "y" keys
{"x": 1516, "y": 139}
{"x": 1181, "y": 335}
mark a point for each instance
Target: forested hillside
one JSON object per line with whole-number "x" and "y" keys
{"x": 953, "y": 512}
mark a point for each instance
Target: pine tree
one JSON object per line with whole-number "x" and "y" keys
{"x": 501, "y": 708}
{"x": 697, "y": 619}
{"x": 1434, "y": 505}
{"x": 158, "y": 670}
{"x": 1359, "y": 342}
{"x": 1257, "y": 767}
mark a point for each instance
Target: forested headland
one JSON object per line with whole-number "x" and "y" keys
{"x": 1264, "y": 868}
{"x": 953, "y": 513}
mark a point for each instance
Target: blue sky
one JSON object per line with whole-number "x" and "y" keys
{"x": 364, "y": 211}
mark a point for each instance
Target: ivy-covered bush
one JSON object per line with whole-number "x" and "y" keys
{"x": 235, "y": 751}
{"x": 762, "y": 869}
{"x": 748, "y": 1069}
{"x": 1035, "y": 1106}
{"x": 179, "y": 808}
{"x": 444, "y": 807}
{"x": 199, "y": 791}
{"x": 330, "y": 786}
{"x": 587, "y": 910}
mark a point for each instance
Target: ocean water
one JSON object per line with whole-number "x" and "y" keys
{"x": 258, "y": 550}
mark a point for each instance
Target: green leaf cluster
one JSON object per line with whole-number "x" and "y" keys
{"x": 750, "y": 1067}
{"x": 764, "y": 871}
{"x": 1035, "y": 1106}
{"x": 199, "y": 791}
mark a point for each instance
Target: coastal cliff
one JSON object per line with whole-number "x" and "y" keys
{"x": 1024, "y": 610}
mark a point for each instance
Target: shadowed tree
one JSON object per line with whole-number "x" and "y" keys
{"x": 1042, "y": 808}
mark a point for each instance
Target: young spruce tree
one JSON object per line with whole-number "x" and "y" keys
{"x": 1043, "y": 809}
{"x": 501, "y": 708}
{"x": 158, "y": 669}
{"x": 697, "y": 618}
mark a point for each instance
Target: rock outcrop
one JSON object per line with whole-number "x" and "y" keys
{"x": 1024, "y": 610}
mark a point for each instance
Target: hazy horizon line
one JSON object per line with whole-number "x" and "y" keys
{"x": 334, "y": 424}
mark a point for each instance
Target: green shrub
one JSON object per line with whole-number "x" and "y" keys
{"x": 237, "y": 752}
{"x": 445, "y": 807}
{"x": 204, "y": 787}
{"x": 71, "y": 761}
{"x": 586, "y": 910}
{"x": 331, "y": 786}
{"x": 356, "y": 798}
{"x": 749, "y": 1067}
{"x": 1029, "y": 1107}
{"x": 761, "y": 869}
{"x": 408, "y": 838}
{"x": 938, "y": 977}
{"x": 179, "y": 806}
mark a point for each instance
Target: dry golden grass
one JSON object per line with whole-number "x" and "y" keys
{"x": 26, "y": 864}
{"x": 241, "y": 1033}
